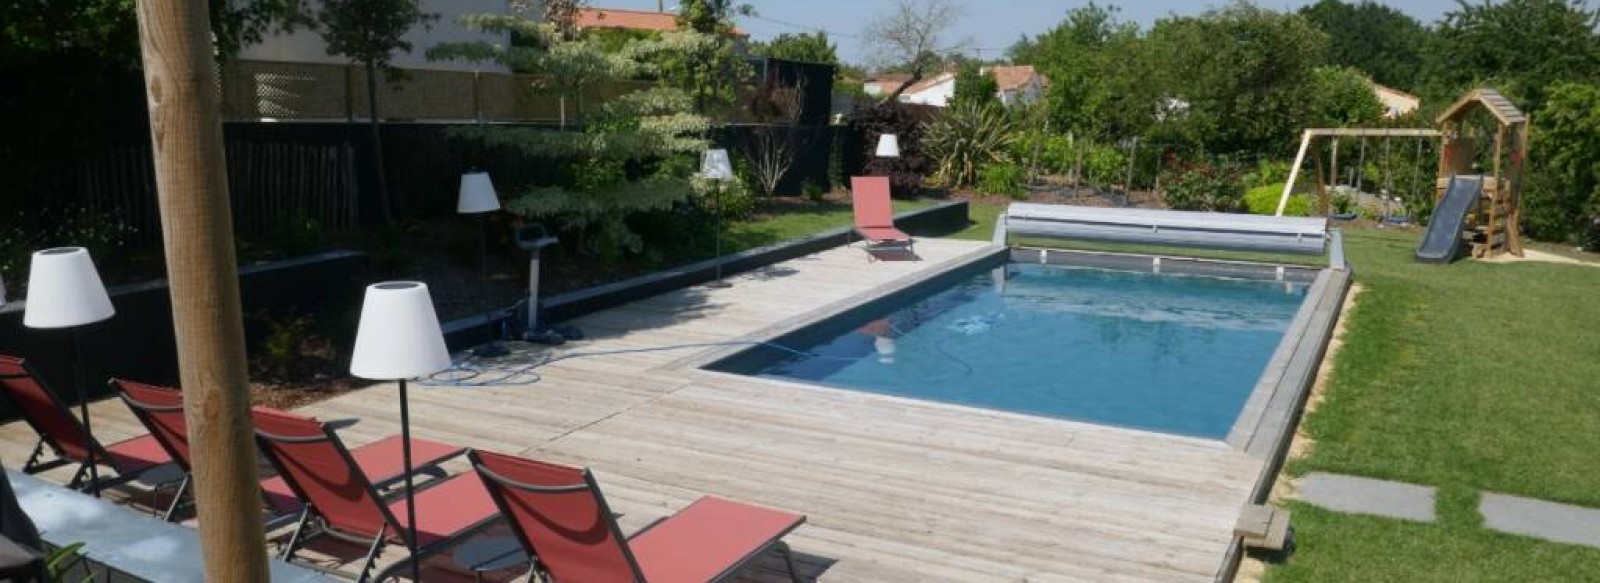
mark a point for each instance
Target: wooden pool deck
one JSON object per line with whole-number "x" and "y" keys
{"x": 895, "y": 489}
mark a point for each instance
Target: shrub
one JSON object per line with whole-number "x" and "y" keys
{"x": 1263, "y": 200}
{"x": 1003, "y": 179}
{"x": 908, "y": 172}
{"x": 813, "y": 192}
{"x": 1103, "y": 164}
{"x": 1343, "y": 204}
{"x": 966, "y": 138}
{"x": 1203, "y": 187}
{"x": 1269, "y": 172}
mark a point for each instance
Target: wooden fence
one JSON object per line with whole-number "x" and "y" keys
{"x": 257, "y": 90}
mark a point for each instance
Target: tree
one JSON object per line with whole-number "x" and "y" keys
{"x": 975, "y": 87}
{"x": 1380, "y": 40}
{"x": 369, "y": 32}
{"x": 703, "y": 62}
{"x": 1097, "y": 85}
{"x": 912, "y": 35}
{"x": 1565, "y": 195}
{"x": 109, "y": 30}
{"x": 635, "y": 152}
{"x": 1521, "y": 47}
{"x": 806, "y": 47}
{"x": 1342, "y": 97}
{"x": 1233, "y": 79}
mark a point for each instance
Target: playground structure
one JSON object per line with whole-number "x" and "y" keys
{"x": 1480, "y": 209}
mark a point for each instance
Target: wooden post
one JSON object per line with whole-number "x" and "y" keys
{"x": 191, "y": 176}
{"x": 1497, "y": 197}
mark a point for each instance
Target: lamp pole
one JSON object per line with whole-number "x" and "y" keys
{"x": 64, "y": 291}
{"x": 411, "y": 487}
{"x": 715, "y": 166}
{"x": 397, "y": 339}
{"x": 477, "y": 197}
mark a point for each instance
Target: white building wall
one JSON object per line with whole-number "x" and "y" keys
{"x": 306, "y": 46}
{"x": 938, "y": 94}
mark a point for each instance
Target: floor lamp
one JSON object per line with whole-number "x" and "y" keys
{"x": 399, "y": 338}
{"x": 715, "y": 166}
{"x": 64, "y": 291}
{"x": 477, "y": 197}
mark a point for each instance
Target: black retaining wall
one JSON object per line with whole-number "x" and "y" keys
{"x": 138, "y": 342}
{"x": 941, "y": 219}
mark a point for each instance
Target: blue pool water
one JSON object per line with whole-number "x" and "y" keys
{"x": 1176, "y": 354}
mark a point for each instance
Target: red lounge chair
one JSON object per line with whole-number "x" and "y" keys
{"x": 875, "y": 215}
{"x": 343, "y": 504}
{"x": 160, "y": 409}
{"x": 60, "y": 431}
{"x": 560, "y": 517}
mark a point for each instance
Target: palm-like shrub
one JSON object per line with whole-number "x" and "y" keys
{"x": 967, "y": 138}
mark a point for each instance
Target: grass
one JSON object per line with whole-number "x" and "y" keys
{"x": 800, "y": 220}
{"x": 1471, "y": 377}
{"x": 1348, "y": 547}
{"x": 1469, "y": 374}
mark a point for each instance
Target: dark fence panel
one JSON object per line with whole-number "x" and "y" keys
{"x": 138, "y": 342}
{"x": 811, "y": 150}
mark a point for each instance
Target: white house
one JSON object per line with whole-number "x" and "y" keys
{"x": 306, "y": 46}
{"x": 936, "y": 90}
{"x": 1017, "y": 85}
{"x": 1395, "y": 102}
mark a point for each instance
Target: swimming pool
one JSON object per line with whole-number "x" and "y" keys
{"x": 1170, "y": 353}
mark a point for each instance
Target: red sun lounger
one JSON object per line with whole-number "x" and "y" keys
{"x": 64, "y": 435}
{"x": 160, "y": 409}
{"x": 560, "y": 517}
{"x": 875, "y": 215}
{"x": 341, "y": 502}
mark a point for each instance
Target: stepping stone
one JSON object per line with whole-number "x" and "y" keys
{"x": 1368, "y": 496}
{"x": 1562, "y": 523}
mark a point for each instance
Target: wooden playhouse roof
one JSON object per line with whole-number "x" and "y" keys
{"x": 1492, "y": 101}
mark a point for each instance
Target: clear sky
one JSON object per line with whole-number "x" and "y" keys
{"x": 991, "y": 25}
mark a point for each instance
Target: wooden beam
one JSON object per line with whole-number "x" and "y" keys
{"x": 197, "y": 227}
{"x": 1376, "y": 132}
{"x": 1294, "y": 172}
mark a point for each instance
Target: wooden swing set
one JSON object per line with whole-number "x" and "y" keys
{"x": 1492, "y": 224}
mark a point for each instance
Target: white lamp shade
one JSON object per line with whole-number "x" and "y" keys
{"x": 399, "y": 335}
{"x": 714, "y": 164}
{"x": 888, "y": 146}
{"x": 64, "y": 290}
{"x": 477, "y": 194}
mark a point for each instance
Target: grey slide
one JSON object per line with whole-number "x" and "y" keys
{"x": 1442, "y": 242}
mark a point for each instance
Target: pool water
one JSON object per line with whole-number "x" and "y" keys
{"x": 1175, "y": 354}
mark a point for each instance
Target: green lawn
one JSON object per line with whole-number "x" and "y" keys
{"x": 1471, "y": 377}
{"x": 796, "y": 221}
{"x": 1345, "y": 547}
{"x": 1472, "y": 374}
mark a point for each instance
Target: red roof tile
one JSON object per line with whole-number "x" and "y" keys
{"x": 631, "y": 19}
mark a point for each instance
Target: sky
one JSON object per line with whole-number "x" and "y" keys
{"x": 989, "y": 26}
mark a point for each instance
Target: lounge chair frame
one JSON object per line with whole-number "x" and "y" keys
{"x": 309, "y": 514}
{"x": 36, "y": 462}
{"x": 589, "y": 485}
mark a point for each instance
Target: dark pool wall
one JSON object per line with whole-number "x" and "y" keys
{"x": 138, "y": 342}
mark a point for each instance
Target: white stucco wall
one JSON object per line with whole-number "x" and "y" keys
{"x": 937, "y": 94}
{"x": 1028, "y": 93}
{"x": 305, "y": 46}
